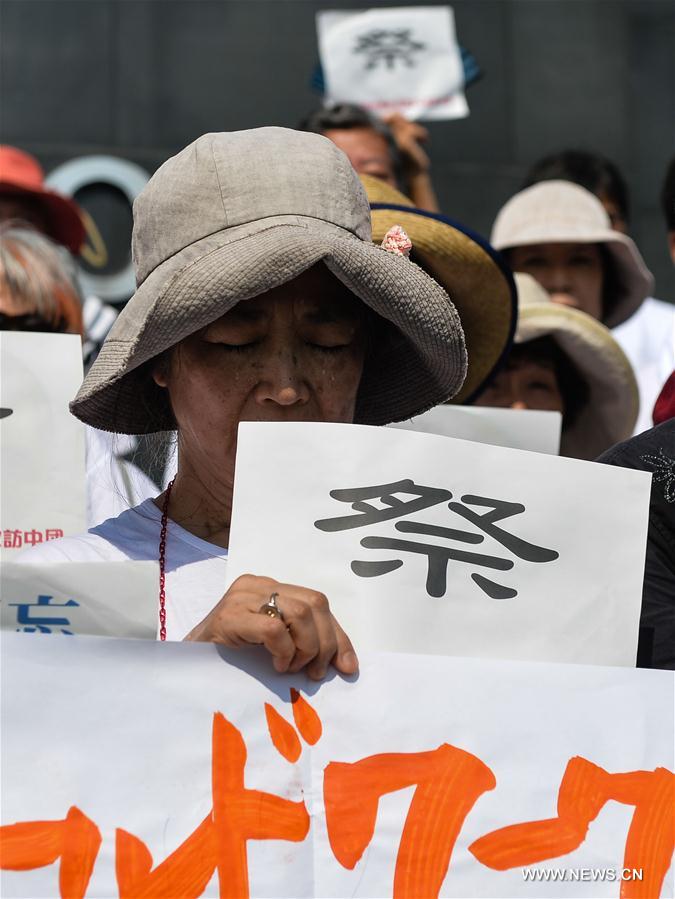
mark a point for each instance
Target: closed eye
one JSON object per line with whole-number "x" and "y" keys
{"x": 335, "y": 348}
{"x": 234, "y": 347}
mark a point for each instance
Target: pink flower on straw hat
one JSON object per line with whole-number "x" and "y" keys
{"x": 397, "y": 241}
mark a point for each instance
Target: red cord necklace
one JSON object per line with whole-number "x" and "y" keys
{"x": 162, "y": 561}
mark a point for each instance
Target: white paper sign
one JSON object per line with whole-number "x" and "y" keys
{"x": 178, "y": 774}
{"x": 116, "y": 599}
{"x": 525, "y": 429}
{"x": 429, "y": 544}
{"x": 42, "y": 485}
{"x": 400, "y": 59}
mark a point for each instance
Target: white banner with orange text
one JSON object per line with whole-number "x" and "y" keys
{"x": 425, "y": 543}
{"x": 136, "y": 768}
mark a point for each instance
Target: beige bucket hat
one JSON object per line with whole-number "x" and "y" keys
{"x": 476, "y": 278}
{"x": 236, "y": 214}
{"x": 611, "y": 409}
{"x": 563, "y": 212}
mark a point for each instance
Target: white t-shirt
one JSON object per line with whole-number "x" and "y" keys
{"x": 648, "y": 339}
{"x": 195, "y": 570}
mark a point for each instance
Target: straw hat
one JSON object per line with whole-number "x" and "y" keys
{"x": 21, "y": 175}
{"x": 235, "y": 215}
{"x": 611, "y": 410}
{"x": 563, "y": 212}
{"x": 476, "y": 278}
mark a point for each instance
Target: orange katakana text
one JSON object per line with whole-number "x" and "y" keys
{"x": 34, "y": 844}
{"x": 584, "y": 790}
{"x": 448, "y": 782}
{"x": 219, "y": 843}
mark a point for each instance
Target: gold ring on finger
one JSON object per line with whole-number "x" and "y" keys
{"x": 271, "y": 608}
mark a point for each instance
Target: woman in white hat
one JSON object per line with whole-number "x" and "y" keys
{"x": 565, "y": 361}
{"x": 560, "y": 233}
{"x": 260, "y": 297}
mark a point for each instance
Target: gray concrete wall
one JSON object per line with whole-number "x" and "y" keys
{"x": 141, "y": 78}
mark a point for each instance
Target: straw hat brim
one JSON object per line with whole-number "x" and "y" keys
{"x": 417, "y": 362}
{"x": 473, "y": 274}
{"x": 611, "y": 410}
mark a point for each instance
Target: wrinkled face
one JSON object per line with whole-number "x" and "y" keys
{"x": 367, "y": 150}
{"x": 571, "y": 273}
{"x": 294, "y": 353}
{"x": 524, "y": 384}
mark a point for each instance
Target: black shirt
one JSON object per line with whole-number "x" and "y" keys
{"x": 654, "y": 451}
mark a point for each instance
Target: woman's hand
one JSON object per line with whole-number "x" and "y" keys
{"x": 308, "y": 636}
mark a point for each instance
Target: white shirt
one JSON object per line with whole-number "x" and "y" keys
{"x": 195, "y": 570}
{"x": 648, "y": 339}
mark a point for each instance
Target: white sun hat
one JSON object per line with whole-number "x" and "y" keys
{"x": 563, "y": 212}
{"x": 610, "y": 410}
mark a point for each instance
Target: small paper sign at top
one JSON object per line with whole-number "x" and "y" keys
{"x": 402, "y": 59}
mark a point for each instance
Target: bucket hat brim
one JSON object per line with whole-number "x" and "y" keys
{"x": 612, "y": 406}
{"x": 417, "y": 359}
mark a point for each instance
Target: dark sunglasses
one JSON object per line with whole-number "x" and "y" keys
{"x": 30, "y": 322}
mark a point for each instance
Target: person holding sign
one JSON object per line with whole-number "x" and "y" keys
{"x": 260, "y": 297}
{"x": 565, "y": 361}
{"x": 389, "y": 149}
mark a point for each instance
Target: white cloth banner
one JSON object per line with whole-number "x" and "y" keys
{"x": 399, "y": 59}
{"x": 116, "y": 599}
{"x": 42, "y": 483}
{"x": 429, "y": 544}
{"x": 133, "y": 768}
{"x": 525, "y": 429}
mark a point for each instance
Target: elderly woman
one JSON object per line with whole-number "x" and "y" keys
{"x": 260, "y": 297}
